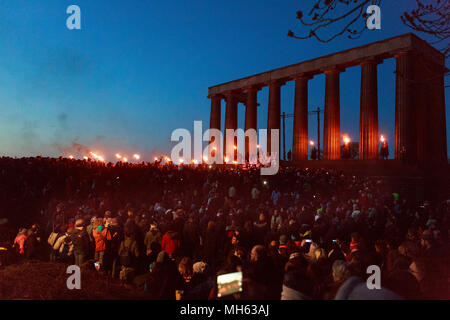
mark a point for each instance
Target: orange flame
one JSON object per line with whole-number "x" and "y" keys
{"x": 346, "y": 139}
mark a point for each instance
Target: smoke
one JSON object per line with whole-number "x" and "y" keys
{"x": 62, "y": 120}
{"x": 74, "y": 148}
{"x": 77, "y": 149}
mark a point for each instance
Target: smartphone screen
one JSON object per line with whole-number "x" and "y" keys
{"x": 229, "y": 283}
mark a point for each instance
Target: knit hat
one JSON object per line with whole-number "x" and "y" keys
{"x": 199, "y": 267}
{"x": 162, "y": 257}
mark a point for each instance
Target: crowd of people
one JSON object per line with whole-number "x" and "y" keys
{"x": 171, "y": 230}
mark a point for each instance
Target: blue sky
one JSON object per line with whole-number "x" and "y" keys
{"x": 139, "y": 69}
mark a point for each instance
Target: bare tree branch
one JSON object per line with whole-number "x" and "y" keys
{"x": 329, "y": 19}
{"x": 432, "y": 19}
{"x": 323, "y": 16}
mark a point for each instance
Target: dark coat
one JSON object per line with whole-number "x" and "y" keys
{"x": 80, "y": 240}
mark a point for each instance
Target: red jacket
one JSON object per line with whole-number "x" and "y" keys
{"x": 20, "y": 242}
{"x": 99, "y": 237}
{"x": 170, "y": 242}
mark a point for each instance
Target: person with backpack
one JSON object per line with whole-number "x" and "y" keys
{"x": 128, "y": 251}
{"x": 114, "y": 237}
{"x": 52, "y": 240}
{"x": 153, "y": 235}
{"x": 80, "y": 240}
{"x": 64, "y": 246}
{"x": 33, "y": 243}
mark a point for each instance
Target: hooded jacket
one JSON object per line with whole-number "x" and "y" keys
{"x": 99, "y": 237}
{"x": 152, "y": 236}
{"x": 170, "y": 243}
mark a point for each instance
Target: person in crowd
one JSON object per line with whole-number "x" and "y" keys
{"x": 301, "y": 234}
{"x": 33, "y": 243}
{"x": 152, "y": 236}
{"x": 63, "y": 246}
{"x": 340, "y": 273}
{"x": 114, "y": 237}
{"x": 384, "y": 150}
{"x": 19, "y": 241}
{"x": 211, "y": 244}
{"x": 165, "y": 279}
{"x": 128, "y": 251}
{"x": 186, "y": 270}
{"x": 52, "y": 240}
{"x": 314, "y": 153}
{"x": 99, "y": 235}
{"x": 81, "y": 244}
{"x": 262, "y": 271}
{"x": 170, "y": 243}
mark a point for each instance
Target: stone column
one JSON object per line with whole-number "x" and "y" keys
{"x": 230, "y": 118}
{"x": 251, "y": 104}
{"x": 332, "y": 125}
{"x": 273, "y": 118}
{"x": 214, "y": 122}
{"x": 405, "y": 108}
{"x": 368, "y": 123}
{"x": 439, "y": 117}
{"x": 300, "y": 135}
{"x": 431, "y": 124}
{"x": 215, "y": 112}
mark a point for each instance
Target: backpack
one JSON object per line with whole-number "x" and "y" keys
{"x": 64, "y": 250}
{"x": 52, "y": 238}
{"x": 126, "y": 255}
{"x": 80, "y": 239}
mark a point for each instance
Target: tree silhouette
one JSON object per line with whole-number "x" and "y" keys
{"x": 329, "y": 19}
